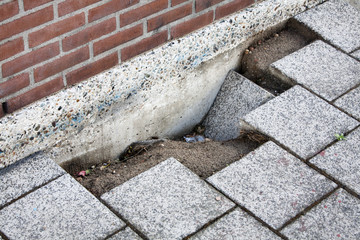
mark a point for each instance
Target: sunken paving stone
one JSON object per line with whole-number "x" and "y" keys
{"x": 25, "y": 175}
{"x": 337, "y": 217}
{"x": 237, "y": 97}
{"x": 335, "y": 21}
{"x": 356, "y": 54}
{"x": 62, "y": 209}
{"x": 350, "y": 102}
{"x": 300, "y": 121}
{"x": 236, "y": 225}
{"x": 126, "y": 234}
{"x": 272, "y": 184}
{"x": 320, "y": 68}
{"x": 342, "y": 161}
{"x": 167, "y": 202}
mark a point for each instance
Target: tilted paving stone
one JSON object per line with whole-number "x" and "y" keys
{"x": 62, "y": 209}
{"x": 337, "y": 217}
{"x": 167, "y": 202}
{"x": 342, "y": 161}
{"x": 356, "y": 54}
{"x": 126, "y": 234}
{"x": 300, "y": 121}
{"x": 237, "y": 97}
{"x": 321, "y": 68}
{"x": 272, "y": 184}
{"x": 336, "y": 21}
{"x": 236, "y": 225}
{"x": 350, "y": 102}
{"x": 26, "y": 175}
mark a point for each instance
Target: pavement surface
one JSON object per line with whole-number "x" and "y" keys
{"x": 304, "y": 183}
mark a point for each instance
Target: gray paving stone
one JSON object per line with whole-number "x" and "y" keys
{"x": 167, "y": 202}
{"x": 337, "y": 217}
{"x": 26, "y": 175}
{"x": 336, "y": 21}
{"x": 356, "y": 54}
{"x": 126, "y": 234}
{"x": 321, "y": 68}
{"x": 300, "y": 121}
{"x": 272, "y": 184}
{"x": 350, "y": 102}
{"x": 235, "y": 225}
{"x": 342, "y": 161}
{"x": 237, "y": 97}
{"x": 62, "y": 209}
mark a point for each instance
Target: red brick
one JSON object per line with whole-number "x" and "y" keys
{"x": 89, "y": 34}
{"x": 29, "y": 4}
{"x": 30, "y": 59}
{"x": 143, "y": 11}
{"x": 11, "y": 48}
{"x": 118, "y": 39}
{"x": 191, "y": 25}
{"x": 73, "y": 5}
{"x": 1, "y": 112}
{"x": 92, "y": 69}
{"x": 109, "y": 8}
{"x": 8, "y": 10}
{"x": 231, "y": 7}
{"x": 177, "y": 2}
{"x": 203, "y": 4}
{"x": 144, "y": 45}
{"x": 34, "y": 94}
{"x": 14, "y": 84}
{"x": 61, "y": 64}
{"x": 26, "y": 22}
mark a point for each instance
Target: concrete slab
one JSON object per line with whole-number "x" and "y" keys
{"x": 321, "y": 68}
{"x": 167, "y": 202}
{"x": 236, "y": 225}
{"x": 62, "y": 209}
{"x": 26, "y": 175}
{"x": 356, "y": 54}
{"x": 272, "y": 184}
{"x": 336, "y": 21}
{"x": 300, "y": 121}
{"x": 342, "y": 161}
{"x": 237, "y": 97}
{"x": 350, "y": 103}
{"x": 337, "y": 217}
{"x": 126, "y": 234}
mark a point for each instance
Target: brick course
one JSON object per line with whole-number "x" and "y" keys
{"x": 8, "y": 10}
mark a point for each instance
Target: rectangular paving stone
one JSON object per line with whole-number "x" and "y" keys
{"x": 356, "y": 54}
{"x": 350, "y": 102}
{"x": 272, "y": 184}
{"x": 337, "y": 217}
{"x": 335, "y": 21}
{"x": 321, "y": 68}
{"x": 237, "y": 97}
{"x": 342, "y": 161}
{"x": 62, "y": 209}
{"x": 167, "y": 202}
{"x": 236, "y": 225}
{"x": 300, "y": 121}
{"x": 25, "y": 175}
{"x": 126, "y": 234}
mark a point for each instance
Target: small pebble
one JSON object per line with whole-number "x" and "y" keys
{"x": 247, "y": 51}
{"x": 218, "y": 198}
{"x": 276, "y": 35}
{"x": 113, "y": 172}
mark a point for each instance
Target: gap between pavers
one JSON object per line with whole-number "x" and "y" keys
{"x": 126, "y": 234}
{"x": 350, "y": 102}
{"x": 356, "y": 54}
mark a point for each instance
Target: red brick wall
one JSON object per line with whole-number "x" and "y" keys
{"x": 47, "y": 45}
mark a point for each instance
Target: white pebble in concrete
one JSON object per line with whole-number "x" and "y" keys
{"x": 350, "y": 102}
{"x": 126, "y": 234}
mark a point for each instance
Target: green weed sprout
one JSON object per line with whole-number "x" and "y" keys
{"x": 340, "y": 137}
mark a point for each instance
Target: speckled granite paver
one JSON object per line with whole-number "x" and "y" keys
{"x": 342, "y": 161}
{"x": 336, "y": 21}
{"x": 272, "y": 184}
{"x": 236, "y": 225}
{"x": 350, "y": 102}
{"x": 62, "y": 209}
{"x": 337, "y": 217}
{"x": 356, "y": 54}
{"x": 320, "y": 68}
{"x": 300, "y": 121}
{"x": 126, "y": 234}
{"x": 25, "y": 175}
{"x": 237, "y": 97}
{"x": 167, "y": 202}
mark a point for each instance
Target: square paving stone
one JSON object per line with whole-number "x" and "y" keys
{"x": 126, "y": 234}
{"x": 356, "y": 55}
{"x": 272, "y": 184}
{"x": 62, "y": 209}
{"x": 236, "y": 225}
{"x": 300, "y": 121}
{"x": 336, "y": 21}
{"x": 25, "y": 175}
{"x": 167, "y": 202}
{"x": 237, "y": 97}
{"x": 337, "y": 217}
{"x": 342, "y": 161}
{"x": 350, "y": 102}
{"x": 320, "y": 68}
